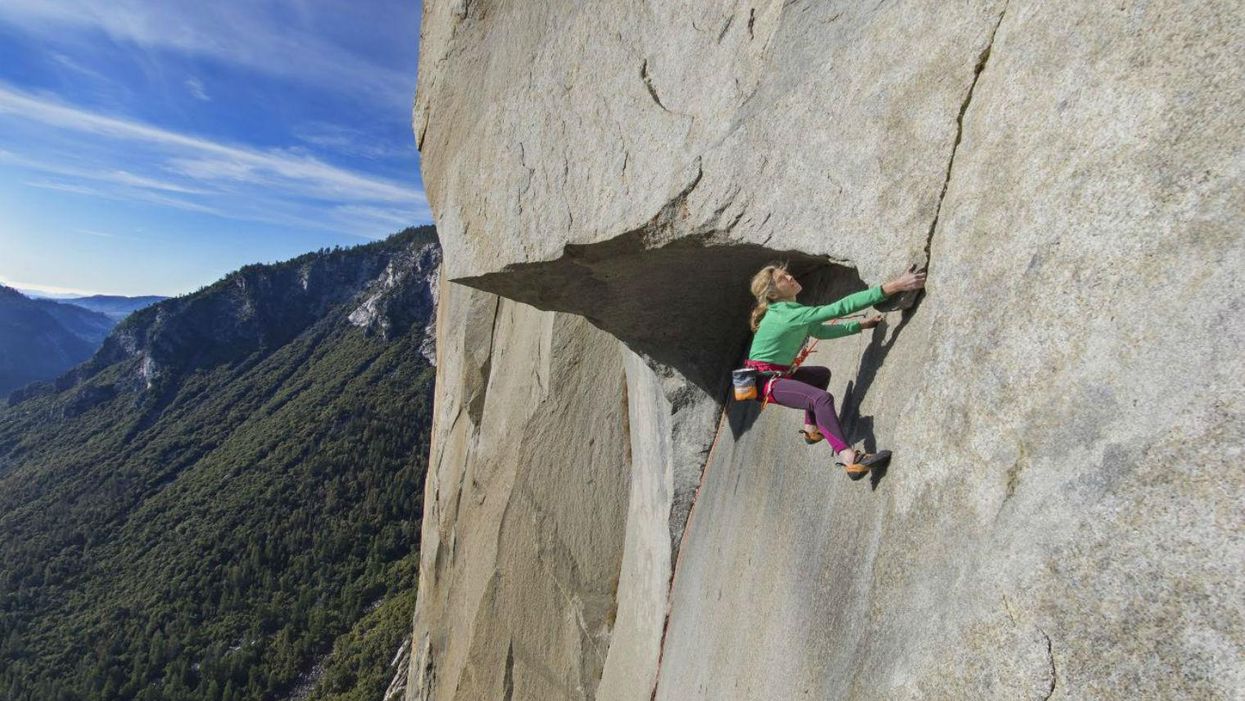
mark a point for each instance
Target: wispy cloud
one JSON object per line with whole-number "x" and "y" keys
{"x": 66, "y": 62}
{"x": 349, "y": 141}
{"x": 195, "y": 86}
{"x": 211, "y": 159}
{"x": 51, "y": 290}
{"x": 125, "y": 178}
{"x": 128, "y": 196}
{"x": 223, "y": 129}
{"x": 64, "y": 187}
{"x": 119, "y": 177}
{"x": 388, "y": 217}
{"x": 252, "y": 35}
{"x": 196, "y": 174}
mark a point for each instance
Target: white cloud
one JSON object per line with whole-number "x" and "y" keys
{"x": 387, "y": 217}
{"x": 52, "y": 290}
{"x": 67, "y": 62}
{"x": 119, "y": 177}
{"x": 64, "y": 187}
{"x": 125, "y": 178}
{"x": 126, "y": 195}
{"x": 195, "y": 86}
{"x": 201, "y": 158}
{"x": 189, "y": 173}
{"x": 248, "y": 34}
{"x": 351, "y": 142}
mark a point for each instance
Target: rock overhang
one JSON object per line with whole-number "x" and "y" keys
{"x": 683, "y": 305}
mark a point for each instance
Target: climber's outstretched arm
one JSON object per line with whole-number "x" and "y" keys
{"x": 911, "y": 280}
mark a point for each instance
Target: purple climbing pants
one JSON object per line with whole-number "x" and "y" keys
{"x": 806, "y": 389}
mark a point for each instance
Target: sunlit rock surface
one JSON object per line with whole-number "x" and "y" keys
{"x": 1063, "y": 514}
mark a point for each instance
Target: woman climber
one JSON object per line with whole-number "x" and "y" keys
{"x": 782, "y": 325}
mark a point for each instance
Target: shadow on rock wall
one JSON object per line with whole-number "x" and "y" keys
{"x": 683, "y": 305}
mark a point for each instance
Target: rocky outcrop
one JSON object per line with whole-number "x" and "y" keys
{"x": 261, "y": 307}
{"x": 1063, "y": 402}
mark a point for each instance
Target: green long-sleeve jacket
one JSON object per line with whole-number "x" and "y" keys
{"x": 786, "y": 325}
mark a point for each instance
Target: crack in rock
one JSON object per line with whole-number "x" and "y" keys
{"x": 1050, "y": 657}
{"x": 508, "y": 674}
{"x": 959, "y": 133}
{"x": 648, "y": 83}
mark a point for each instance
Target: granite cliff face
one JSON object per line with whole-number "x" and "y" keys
{"x": 1062, "y": 516}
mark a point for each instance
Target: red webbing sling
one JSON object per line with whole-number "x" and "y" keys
{"x": 795, "y": 364}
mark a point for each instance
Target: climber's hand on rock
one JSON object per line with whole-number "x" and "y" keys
{"x": 871, "y": 322}
{"x": 912, "y": 280}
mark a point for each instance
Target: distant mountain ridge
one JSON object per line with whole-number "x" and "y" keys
{"x": 90, "y": 325}
{"x": 224, "y": 499}
{"x": 260, "y": 307}
{"x": 115, "y": 307}
{"x": 41, "y": 338}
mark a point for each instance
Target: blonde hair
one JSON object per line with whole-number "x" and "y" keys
{"x": 765, "y": 291}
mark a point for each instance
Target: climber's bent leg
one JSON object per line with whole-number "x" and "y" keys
{"x": 797, "y": 395}
{"x": 816, "y": 376}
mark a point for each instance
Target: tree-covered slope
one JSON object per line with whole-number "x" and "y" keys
{"x": 90, "y": 325}
{"x": 231, "y": 485}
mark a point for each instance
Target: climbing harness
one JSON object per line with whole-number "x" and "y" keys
{"x": 745, "y": 378}
{"x": 795, "y": 365}
{"x": 755, "y": 369}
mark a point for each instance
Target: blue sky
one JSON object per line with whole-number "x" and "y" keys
{"x": 152, "y": 147}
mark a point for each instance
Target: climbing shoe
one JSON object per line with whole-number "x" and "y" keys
{"x": 811, "y": 437}
{"x": 864, "y": 462}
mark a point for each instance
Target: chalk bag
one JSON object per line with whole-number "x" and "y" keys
{"x": 745, "y": 381}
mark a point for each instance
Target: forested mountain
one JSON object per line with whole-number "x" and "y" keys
{"x": 113, "y": 306}
{"x": 40, "y": 338}
{"x": 90, "y": 325}
{"x": 224, "y": 502}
